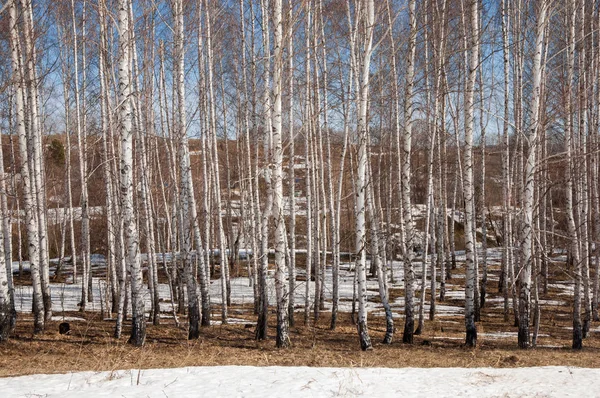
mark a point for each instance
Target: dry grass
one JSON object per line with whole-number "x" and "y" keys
{"x": 91, "y": 347}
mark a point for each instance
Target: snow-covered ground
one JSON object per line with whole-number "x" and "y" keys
{"x": 66, "y": 296}
{"x": 249, "y": 381}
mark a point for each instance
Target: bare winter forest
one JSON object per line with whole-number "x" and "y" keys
{"x": 338, "y": 174}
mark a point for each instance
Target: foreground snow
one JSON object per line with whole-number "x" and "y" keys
{"x": 249, "y": 381}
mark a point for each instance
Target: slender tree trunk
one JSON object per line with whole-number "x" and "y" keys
{"x": 186, "y": 185}
{"x": 471, "y": 274}
{"x": 281, "y": 284}
{"x": 106, "y": 164}
{"x": 482, "y": 198}
{"x": 225, "y": 289}
{"x": 506, "y": 242}
{"x": 261, "y": 327}
{"x": 29, "y": 204}
{"x": 35, "y": 148}
{"x": 377, "y": 259}
{"x": 7, "y": 310}
{"x": 138, "y": 330}
{"x": 292, "y": 173}
{"x": 406, "y": 223}
{"x": 204, "y": 260}
{"x": 361, "y": 177}
{"x": 251, "y": 174}
{"x": 574, "y": 248}
{"x": 582, "y": 173}
{"x": 85, "y": 223}
{"x": 528, "y": 199}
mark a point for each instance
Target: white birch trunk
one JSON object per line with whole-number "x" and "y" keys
{"x": 186, "y": 187}
{"x": 105, "y": 114}
{"x": 572, "y": 229}
{"x": 361, "y": 176}
{"x": 225, "y": 290}
{"x": 582, "y": 173}
{"x": 292, "y": 175}
{"x": 28, "y": 197}
{"x": 261, "y": 327}
{"x": 528, "y": 199}
{"x": 468, "y": 194}
{"x": 82, "y": 167}
{"x": 204, "y": 269}
{"x": 131, "y": 248}
{"x": 7, "y": 311}
{"x": 281, "y": 283}
{"x": 506, "y": 188}
{"x": 248, "y": 163}
{"x": 307, "y": 127}
{"x": 35, "y": 148}
{"x": 406, "y": 223}
{"x": 340, "y": 181}
{"x": 377, "y": 259}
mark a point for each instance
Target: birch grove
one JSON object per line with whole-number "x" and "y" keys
{"x": 269, "y": 162}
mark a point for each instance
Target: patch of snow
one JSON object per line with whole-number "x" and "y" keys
{"x": 58, "y": 318}
{"x": 249, "y": 381}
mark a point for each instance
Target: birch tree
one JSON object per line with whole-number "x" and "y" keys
{"x": 281, "y": 283}
{"x": 291, "y": 170}
{"x": 569, "y": 192}
{"x": 261, "y": 327}
{"x": 185, "y": 186}
{"x": 406, "y": 222}
{"x": 132, "y": 255}
{"x": 82, "y": 153}
{"x": 506, "y": 244}
{"x": 528, "y": 199}
{"x": 225, "y": 288}
{"x": 107, "y": 133}
{"x": 361, "y": 175}
{"x": 468, "y": 194}
{"x": 7, "y": 311}
{"x": 29, "y": 202}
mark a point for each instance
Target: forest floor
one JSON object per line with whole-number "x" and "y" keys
{"x": 91, "y": 347}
